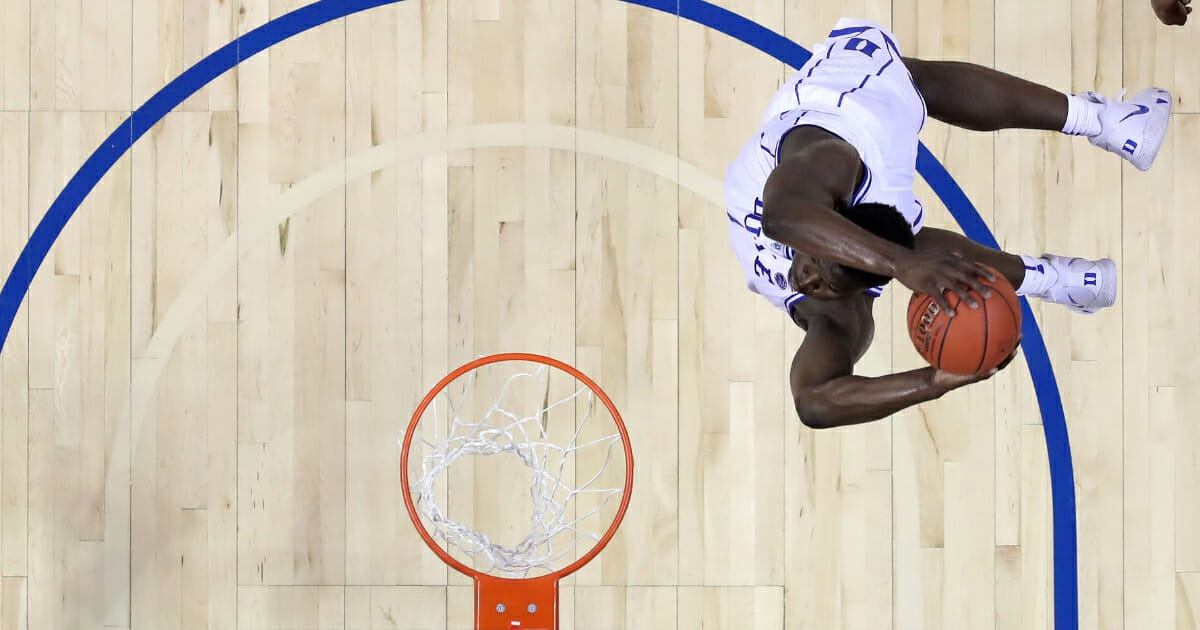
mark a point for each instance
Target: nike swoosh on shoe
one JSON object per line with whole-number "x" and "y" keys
{"x": 1142, "y": 109}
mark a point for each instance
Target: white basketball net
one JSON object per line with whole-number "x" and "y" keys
{"x": 558, "y": 520}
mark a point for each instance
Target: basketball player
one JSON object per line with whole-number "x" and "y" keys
{"x": 1172, "y": 12}
{"x": 822, "y": 211}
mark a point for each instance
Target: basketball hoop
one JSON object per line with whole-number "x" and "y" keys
{"x": 543, "y": 423}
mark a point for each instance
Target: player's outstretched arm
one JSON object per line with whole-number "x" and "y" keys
{"x": 827, "y": 394}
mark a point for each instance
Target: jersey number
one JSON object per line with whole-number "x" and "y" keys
{"x": 753, "y": 221}
{"x": 864, "y": 46}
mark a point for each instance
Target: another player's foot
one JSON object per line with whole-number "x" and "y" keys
{"x": 1084, "y": 286}
{"x": 1133, "y": 129}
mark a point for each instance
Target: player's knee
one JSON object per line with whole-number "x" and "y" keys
{"x": 813, "y": 417}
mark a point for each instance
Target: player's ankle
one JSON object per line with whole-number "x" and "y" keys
{"x": 1083, "y": 117}
{"x": 1040, "y": 276}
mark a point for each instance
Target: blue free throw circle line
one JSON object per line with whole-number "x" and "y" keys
{"x": 1062, "y": 483}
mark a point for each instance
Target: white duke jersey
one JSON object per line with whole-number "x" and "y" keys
{"x": 857, "y": 87}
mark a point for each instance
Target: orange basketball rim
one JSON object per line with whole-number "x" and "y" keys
{"x": 517, "y": 603}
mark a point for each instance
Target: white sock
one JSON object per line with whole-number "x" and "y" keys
{"x": 1039, "y": 277}
{"x": 1083, "y": 117}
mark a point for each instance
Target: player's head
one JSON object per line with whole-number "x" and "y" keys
{"x": 827, "y": 280}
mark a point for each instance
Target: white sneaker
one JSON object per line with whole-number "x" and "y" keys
{"x": 1084, "y": 286}
{"x": 1133, "y": 129}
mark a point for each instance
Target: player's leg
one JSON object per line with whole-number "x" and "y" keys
{"x": 1082, "y": 285}
{"x": 1009, "y": 265}
{"x": 979, "y": 98}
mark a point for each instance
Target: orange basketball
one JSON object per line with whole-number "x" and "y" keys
{"x": 975, "y": 340}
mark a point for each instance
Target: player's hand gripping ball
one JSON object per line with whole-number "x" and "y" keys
{"x": 975, "y": 340}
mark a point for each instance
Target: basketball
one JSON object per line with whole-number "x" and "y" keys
{"x": 975, "y": 340}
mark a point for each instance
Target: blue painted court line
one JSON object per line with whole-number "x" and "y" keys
{"x": 1062, "y": 478}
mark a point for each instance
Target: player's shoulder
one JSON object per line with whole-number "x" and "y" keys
{"x": 815, "y": 164}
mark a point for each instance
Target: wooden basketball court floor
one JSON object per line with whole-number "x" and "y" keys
{"x": 201, "y": 392}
